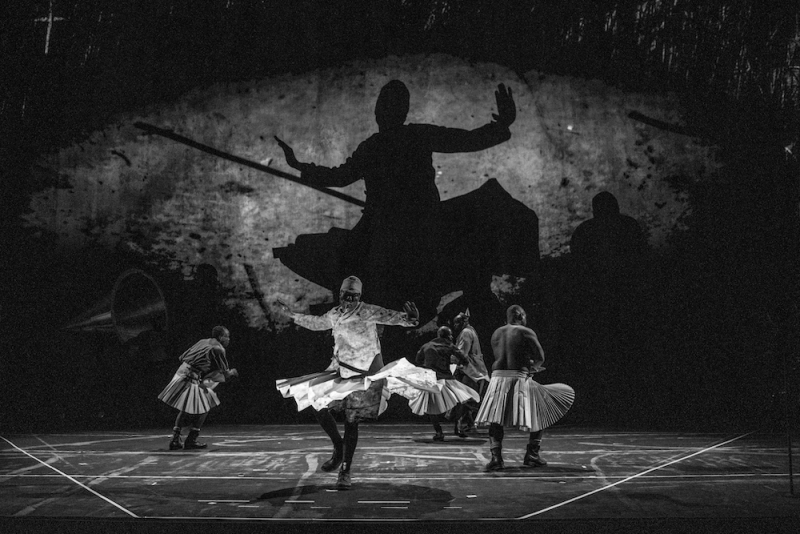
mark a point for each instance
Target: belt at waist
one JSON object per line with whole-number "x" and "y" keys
{"x": 510, "y": 373}
{"x": 191, "y": 372}
{"x": 361, "y": 372}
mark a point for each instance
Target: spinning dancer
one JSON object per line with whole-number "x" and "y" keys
{"x": 191, "y": 390}
{"x": 342, "y": 386}
{"x": 437, "y": 356}
{"x": 513, "y": 399}
{"x": 473, "y": 374}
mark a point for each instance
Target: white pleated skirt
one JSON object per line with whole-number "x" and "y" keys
{"x": 425, "y": 393}
{"x": 188, "y": 393}
{"x": 513, "y": 399}
{"x": 320, "y": 390}
{"x": 452, "y": 394}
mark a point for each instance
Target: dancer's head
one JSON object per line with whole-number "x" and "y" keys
{"x": 221, "y": 334}
{"x": 445, "y": 333}
{"x": 461, "y": 320}
{"x": 516, "y": 315}
{"x": 391, "y": 108}
{"x": 350, "y": 292}
{"x": 604, "y": 204}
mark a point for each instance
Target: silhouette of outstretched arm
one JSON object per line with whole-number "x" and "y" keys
{"x": 319, "y": 178}
{"x": 506, "y": 109}
{"x": 405, "y": 151}
{"x": 169, "y": 134}
{"x": 451, "y": 140}
{"x": 288, "y": 153}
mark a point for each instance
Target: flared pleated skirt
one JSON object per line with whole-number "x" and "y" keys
{"x": 515, "y": 400}
{"x": 321, "y": 390}
{"x": 188, "y": 393}
{"x": 327, "y": 389}
{"x": 425, "y": 393}
{"x": 452, "y": 394}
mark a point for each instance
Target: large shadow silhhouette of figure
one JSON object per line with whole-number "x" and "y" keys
{"x": 609, "y": 240}
{"x": 607, "y": 293}
{"x": 408, "y": 244}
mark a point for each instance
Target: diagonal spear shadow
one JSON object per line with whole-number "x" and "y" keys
{"x": 251, "y": 274}
{"x": 169, "y": 134}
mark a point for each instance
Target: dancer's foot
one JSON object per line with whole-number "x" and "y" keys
{"x": 534, "y": 461}
{"x": 344, "y": 482}
{"x": 496, "y": 464}
{"x": 191, "y": 441}
{"x": 176, "y": 442}
{"x": 335, "y": 459}
{"x": 532, "y": 458}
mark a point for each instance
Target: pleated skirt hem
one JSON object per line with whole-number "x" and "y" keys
{"x": 451, "y": 394}
{"x": 520, "y": 402}
{"x": 188, "y": 394}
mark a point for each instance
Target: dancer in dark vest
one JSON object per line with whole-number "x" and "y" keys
{"x": 437, "y": 355}
{"x": 191, "y": 390}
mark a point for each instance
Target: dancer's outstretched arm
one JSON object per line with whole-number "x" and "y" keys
{"x": 312, "y": 322}
{"x": 453, "y": 140}
{"x": 320, "y": 175}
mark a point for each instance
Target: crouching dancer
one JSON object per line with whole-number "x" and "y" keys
{"x": 342, "y": 386}
{"x": 437, "y": 355}
{"x": 512, "y": 398}
{"x": 191, "y": 390}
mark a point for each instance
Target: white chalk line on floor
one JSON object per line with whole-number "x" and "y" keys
{"x": 626, "y": 479}
{"x": 644, "y": 475}
{"x": 417, "y": 477}
{"x": 87, "y": 488}
{"x": 409, "y": 451}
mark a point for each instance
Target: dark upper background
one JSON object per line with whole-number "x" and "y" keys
{"x": 720, "y": 337}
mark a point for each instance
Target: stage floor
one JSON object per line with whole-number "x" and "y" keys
{"x": 270, "y": 474}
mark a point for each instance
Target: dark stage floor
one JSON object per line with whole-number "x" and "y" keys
{"x": 269, "y": 477}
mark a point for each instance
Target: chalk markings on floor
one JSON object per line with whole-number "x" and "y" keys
{"x": 22, "y": 471}
{"x": 55, "y": 452}
{"x": 100, "y": 441}
{"x": 394, "y": 476}
{"x": 421, "y": 456}
{"x": 311, "y": 462}
{"x": 626, "y": 479}
{"x": 84, "y": 486}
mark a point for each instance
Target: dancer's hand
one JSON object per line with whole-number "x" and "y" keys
{"x": 411, "y": 310}
{"x": 288, "y": 153}
{"x": 458, "y": 362}
{"x": 535, "y": 368}
{"x": 506, "y": 109}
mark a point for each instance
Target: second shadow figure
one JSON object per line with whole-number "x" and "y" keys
{"x": 397, "y": 247}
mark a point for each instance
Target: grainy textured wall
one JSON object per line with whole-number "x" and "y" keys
{"x": 572, "y": 138}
